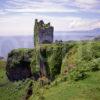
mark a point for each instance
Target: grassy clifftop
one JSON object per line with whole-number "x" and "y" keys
{"x": 56, "y": 58}
{"x": 23, "y": 63}
{"x": 83, "y": 57}
{"x": 80, "y": 75}
{"x": 75, "y": 67}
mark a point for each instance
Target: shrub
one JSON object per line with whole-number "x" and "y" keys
{"x": 76, "y": 74}
{"x": 94, "y": 66}
{"x": 64, "y": 79}
{"x": 55, "y": 83}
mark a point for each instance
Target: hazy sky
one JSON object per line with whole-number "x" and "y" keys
{"x": 17, "y": 16}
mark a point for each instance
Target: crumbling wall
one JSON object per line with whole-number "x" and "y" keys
{"x": 43, "y": 33}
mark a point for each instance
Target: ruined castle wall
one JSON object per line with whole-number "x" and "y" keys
{"x": 43, "y": 33}
{"x": 46, "y": 36}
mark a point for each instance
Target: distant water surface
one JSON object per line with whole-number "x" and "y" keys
{"x": 9, "y": 43}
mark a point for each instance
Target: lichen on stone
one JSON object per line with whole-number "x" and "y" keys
{"x": 43, "y": 33}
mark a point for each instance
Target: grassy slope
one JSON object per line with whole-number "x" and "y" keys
{"x": 88, "y": 89}
{"x": 10, "y": 90}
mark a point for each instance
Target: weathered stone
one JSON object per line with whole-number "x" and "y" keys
{"x": 43, "y": 33}
{"x": 18, "y": 64}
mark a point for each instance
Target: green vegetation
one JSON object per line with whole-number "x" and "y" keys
{"x": 80, "y": 75}
{"x": 73, "y": 69}
{"x": 18, "y": 64}
{"x": 87, "y": 89}
{"x": 2, "y": 71}
{"x": 52, "y": 55}
{"x": 83, "y": 57}
{"x": 18, "y": 55}
{"x": 11, "y": 90}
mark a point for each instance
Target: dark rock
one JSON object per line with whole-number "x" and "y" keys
{"x": 18, "y": 64}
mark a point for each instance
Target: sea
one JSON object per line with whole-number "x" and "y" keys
{"x": 8, "y": 43}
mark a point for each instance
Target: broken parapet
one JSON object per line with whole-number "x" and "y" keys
{"x": 43, "y": 33}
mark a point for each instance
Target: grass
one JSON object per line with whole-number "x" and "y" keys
{"x": 82, "y": 57}
{"x": 11, "y": 90}
{"x": 3, "y": 77}
{"x": 88, "y": 89}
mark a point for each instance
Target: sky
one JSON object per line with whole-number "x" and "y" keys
{"x": 17, "y": 16}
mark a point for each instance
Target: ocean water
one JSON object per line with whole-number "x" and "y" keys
{"x": 9, "y": 43}
{"x": 66, "y": 36}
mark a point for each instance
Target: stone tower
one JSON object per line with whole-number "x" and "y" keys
{"x": 43, "y": 33}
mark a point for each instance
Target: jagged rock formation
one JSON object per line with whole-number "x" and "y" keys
{"x": 24, "y": 63}
{"x": 18, "y": 64}
{"x": 43, "y": 33}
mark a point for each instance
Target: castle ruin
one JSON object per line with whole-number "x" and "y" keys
{"x": 43, "y": 33}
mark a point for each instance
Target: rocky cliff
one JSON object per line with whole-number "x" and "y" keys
{"x": 24, "y": 63}
{"x": 44, "y": 60}
{"x": 18, "y": 64}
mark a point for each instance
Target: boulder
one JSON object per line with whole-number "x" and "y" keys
{"x": 18, "y": 64}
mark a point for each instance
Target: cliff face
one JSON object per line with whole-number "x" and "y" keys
{"x": 18, "y": 64}
{"x": 47, "y": 61}
{"x": 50, "y": 57}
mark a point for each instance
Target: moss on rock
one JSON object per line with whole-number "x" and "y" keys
{"x": 46, "y": 60}
{"x": 18, "y": 64}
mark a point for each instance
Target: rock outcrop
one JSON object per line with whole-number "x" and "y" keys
{"x": 44, "y": 60}
{"x": 24, "y": 63}
{"x": 18, "y": 64}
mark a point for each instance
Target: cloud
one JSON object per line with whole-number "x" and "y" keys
{"x": 23, "y": 24}
{"x": 16, "y": 25}
{"x": 2, "y": 12}
{"x": 87, "y": 4}
{"x": 67, "y": 6}
{"x": 41, "y": 10}
{"x": 40, "y": 6}
{"x": 17, "y": 16}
